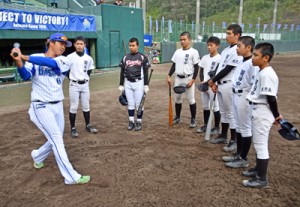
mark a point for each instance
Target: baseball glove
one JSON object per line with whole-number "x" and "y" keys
{"x": 288, "y": 131}
{"x": 203, "y": 87}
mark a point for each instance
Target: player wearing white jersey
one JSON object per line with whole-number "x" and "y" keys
{"x": 264, "y": 110}
{"x": 81, "y": 67}
{"x": 185, "y": 65}
{"x": 227, "y": 65}
{"x": 208, "y": 65}
{"x": 47, "y": 72}
{"x": 242, "y": 80}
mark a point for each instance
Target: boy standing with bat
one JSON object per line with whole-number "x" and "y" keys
{"x": 134, "y": 80}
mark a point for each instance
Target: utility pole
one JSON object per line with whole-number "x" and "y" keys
{"x": 144, "y": 14}
{"x": 274, "y": 16}
{"x": 197, "y": 17}
{"x": 240, "y": 20}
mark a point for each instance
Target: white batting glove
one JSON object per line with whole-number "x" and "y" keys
{"x": 121, "y": 88}
{"x": 146, "y": 89}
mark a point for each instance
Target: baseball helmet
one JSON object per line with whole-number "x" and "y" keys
{"x": 179, "y": 89}
{"x": 203, "y": 87}
{"x": 123, "y": 99}
{"x": 288, "y": 131}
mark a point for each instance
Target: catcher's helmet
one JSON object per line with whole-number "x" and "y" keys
{"x": 179, "y": 89}
{"x": 288, "y": 131}
{"x": 123, "y": 99}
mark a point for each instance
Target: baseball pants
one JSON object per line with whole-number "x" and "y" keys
{"x": 207, "y": 98}
{"x": 134, "y": 93}
{"x": 79, "y": 91}
{"x": 190, "y": 92}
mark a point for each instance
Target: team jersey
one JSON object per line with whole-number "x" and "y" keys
{"x": 244, "y": 75}
{"x": 229, "y": 57}
{"x": 208, "y": 64}
{"x": 80, "y": 66}
{"x": 46, "y": 84}
{"x": 266, "y": 83}
{"x": 185, "y": 60}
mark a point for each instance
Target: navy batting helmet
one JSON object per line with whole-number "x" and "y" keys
{"x": 288, "y": 131}
{"x": 123, "y": 99}
{"x": 203, "y": 87}
{"x": 179, "y": 89}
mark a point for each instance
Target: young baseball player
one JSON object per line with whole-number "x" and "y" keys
{"x": 134, "y": 80}
{"x": 242, "y": 80}
{"x": 227, "y": 65}
{"x": 264, "y": 111}
{"x": 208, "y": 65}
{"x": 185, "y": 65}
{"x": 81, "y": 67}
{"x": 47, "y": 72}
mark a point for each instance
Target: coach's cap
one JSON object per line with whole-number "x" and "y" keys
{"x": 60, "y": 38}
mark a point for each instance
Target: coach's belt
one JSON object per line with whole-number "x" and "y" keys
{"x": 134, "y": 80}
{"x": 184, "y": 76}
{"x": 237, "y": 91}
{"x": 50, "y": 102}
{"x": 252, "y": 103}
{"x": 222, "y": 82}
{"x": 80, "y": 81}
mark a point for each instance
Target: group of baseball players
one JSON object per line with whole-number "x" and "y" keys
{"x": 244, "y": 87}
{"x": 241, "y": 82}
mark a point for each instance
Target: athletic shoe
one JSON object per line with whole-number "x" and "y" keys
{"x": 138, "y": 126}
{"x": 239, "y": 163}
{"x": 215, "y": 131}
{"x": 176, "y": 120}
{"x": 219, "y": 140}
{"x": 91, "y": 129}
{"x": 83, "y": 179}
{"x": 193, "y": 123}
{"x": 74, "y": 132}
{"x": 256, "y": 182}
{"x": 252, "y": 172}
{"x": 230, "y": 147}
{"x": 130, "y": 126}
{"x": 201, "y": 129}
{"x": 231, "y": 158}
{"x": 38, "y": 165}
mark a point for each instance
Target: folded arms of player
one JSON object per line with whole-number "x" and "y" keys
{"x": 272, "y": 101}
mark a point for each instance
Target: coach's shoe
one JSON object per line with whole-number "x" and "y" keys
{"x": 202, "y": 129}
{"x": 256, "y": 182}
{"x": 193, "y": 123}
{"x": 239, "y": 163}
{"x": 230, "y": 147}
{"x": 215, "y": 131}
{"x": 231, "y": 158}
{"x": 219, "y": 140}
{"x": 138, "y": 126}
{"x": 176, "y": 120}
{"x": 74, "y": 132}
{"x": 252, "y": 172}
{"x": 130, "y": 126}
{"x": 91, "y": 129}
{"x": 83, "y": 179}
{"x": 38, "y": 165}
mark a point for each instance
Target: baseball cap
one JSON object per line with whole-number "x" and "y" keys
{"x": 60, "y": 38}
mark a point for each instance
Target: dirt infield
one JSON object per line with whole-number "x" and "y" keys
{"x": 158, "y": 166}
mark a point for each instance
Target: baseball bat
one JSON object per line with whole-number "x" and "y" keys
{"x": 170, "y": 108}
{"x": 16, "y": 45}
{"x": 210, "y": 119}
{"x": 144, "y": 97}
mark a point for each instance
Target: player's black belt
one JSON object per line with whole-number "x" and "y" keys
{"x": 252, "y": 103}
{"x": 237, "y": 91}
{"x": 80, "y": 81}
{"x": 222, "y": 82}
{"x": 184, "y": 76}
{"x": 50, "y": 102}
{"x": 134, "y": 80}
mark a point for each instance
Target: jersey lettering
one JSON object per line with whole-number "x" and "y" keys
{"x": 240, "y": 78}
{"x": 254, "y": 88}
{"x": 186, "y": 58}
{"x": 45, "y": 71}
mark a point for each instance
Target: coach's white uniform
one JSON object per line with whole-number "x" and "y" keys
{"x": 242, "y": 80}
{"x": 79, "y": 81}
{"x": 209, "y": 64}
{"x": 266, "y": 83}
{"x": 46, "y": 112}
{"x": 228, "y": 57}
{"x": 184, "y": 68}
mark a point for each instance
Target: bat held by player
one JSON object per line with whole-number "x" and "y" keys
{"x": 139, "y": 111}
{"x": 210, "y": 119}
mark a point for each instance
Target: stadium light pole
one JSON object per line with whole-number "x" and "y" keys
{"x": 197, "y": 18}
{"x": 144, "y": 14}
{"x": 274, "y": 15}
{"x": 240, "y": 20}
